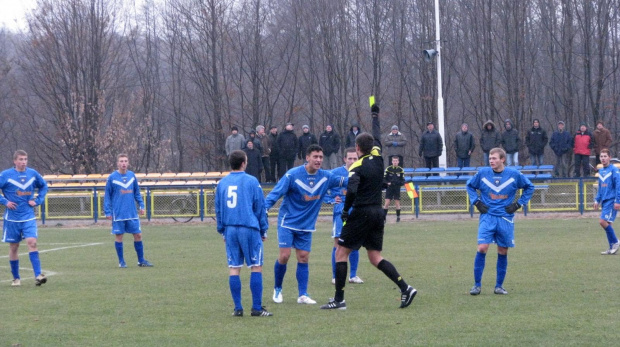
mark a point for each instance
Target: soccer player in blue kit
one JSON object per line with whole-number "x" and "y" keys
{"x": 608, "y": 197}
{"x": 236, "y": 195}
{"x": 18, "y": 186}
{"x": 303, "y": 188}
{"x": 498, "y": 186}
{"x": 336, "y": 197}
{"x": 121, "y": 194}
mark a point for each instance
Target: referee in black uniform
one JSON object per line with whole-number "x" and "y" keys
{"x": 364, "y": 227}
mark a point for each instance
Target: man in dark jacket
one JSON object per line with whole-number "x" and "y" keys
{"x": 274, "y": 157}
{"x": 255, "y": 164}
{"x": 287, "y": 149}
{"x": 464, "y": 145}
{"x": 353, "y": 132}
{"x": 489, "y": 139}
{"x": 561, "y": 143}
{"x": 330, "y": 142}
{"x": 305, "y": 139}
{"x": 511, "y": 143}
{"x": 257, "y": 144}
{"x": 431, "y": 146}
{"x": 536, "y": 140}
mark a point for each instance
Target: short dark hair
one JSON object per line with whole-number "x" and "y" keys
{"x": 313, "y": 148}
{"x": 365, "y": 142}
{"x": 236, "y": 159}
{"x": 19, "y": 152}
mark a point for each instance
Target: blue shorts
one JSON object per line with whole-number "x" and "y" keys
{"x": 15, "y": 232}
{"x": 129, "y": 226}
{"x": 297, "y": 239}
{"x": 337, "y": 225}
{"x": 494, "y": 229}
{"x": 608, "y": 213}
{"x": 243, "y": 244}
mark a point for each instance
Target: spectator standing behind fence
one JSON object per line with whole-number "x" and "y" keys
{"x": 234, "y": 141}
{"x": 489, "y": 139}
{"x": 330, "y": 142}
{"x": 561, "y": 143}
{"x": 464, "y": 145}
{"x": 394, "y": 144}
{"x": 602, "y": 139}
{"x": 305, "y": 140}
{"x": 274, "y": 157}
{"x": 252, "y": 137}
{"x": 18, "y": 186}
{"x": 242, "y": 222}
{"x": 353, "y": 132}
{"x": 536, "y": 140}
{"x": 608, "y": 197}
{"x": 431, "y": 146}
{"x": 511, "y": 143}
{"x": 287, "y": 149}
{"x": 265, "y": 151}
{"x": 254, "y": 163}
{"x": 583, "y": 143}
{"x": 119, "y": 204}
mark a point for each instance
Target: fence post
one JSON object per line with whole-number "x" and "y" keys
{"x": 95, "y": 204}
{"x": 148, "y": 204}
{"x": 201, "y": 203}
{"x": 581, "y": 207}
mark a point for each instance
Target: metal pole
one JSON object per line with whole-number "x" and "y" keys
{"x": 440, "y": 116}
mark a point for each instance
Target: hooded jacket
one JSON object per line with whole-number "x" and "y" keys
{"x": 489, "y": 138}
{"x": 350, "y": 140}
{"x": 510, "y": 138}
{"x": 536, "y": 140}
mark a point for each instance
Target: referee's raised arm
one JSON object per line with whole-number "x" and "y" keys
{"x": 376, "y": 125}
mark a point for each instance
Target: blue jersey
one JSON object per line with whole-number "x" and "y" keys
{"x": 498, "y": 190}
{"x": 608, "y": 184}
{"x": 303, "y": 194}
{"x": 236, "y": 195}
{"x": 331, "y": 194}
{"x": 19, "y": 187}
{"x": 121, "y": 194}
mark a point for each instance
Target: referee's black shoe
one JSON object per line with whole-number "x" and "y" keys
{"x": 407, "y": 296}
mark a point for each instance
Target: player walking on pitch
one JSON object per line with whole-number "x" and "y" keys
{"x": 121, "y": 194}
{"x": 365, "y": 225}
{"x": 608, "y": 197}
{"x": 18, "y": 186}
{"x": 498, "y": 186}
{"x": 236, "y": 195}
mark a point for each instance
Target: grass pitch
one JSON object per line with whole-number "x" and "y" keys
{"x": 562, "y": 291}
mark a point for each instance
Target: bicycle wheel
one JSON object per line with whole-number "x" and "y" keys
{"x": 182, "y": 210}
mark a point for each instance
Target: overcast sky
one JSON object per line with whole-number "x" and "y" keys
{"x": 12, "y": 13}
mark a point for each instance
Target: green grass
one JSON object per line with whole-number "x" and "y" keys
{"x": 562, "y": 292}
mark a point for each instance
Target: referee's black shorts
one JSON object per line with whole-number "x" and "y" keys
{"x": 364, "y": 227}
{"x": 392, "y": 192}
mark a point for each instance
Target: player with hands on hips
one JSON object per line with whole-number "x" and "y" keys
{"x": 608, "y": 198}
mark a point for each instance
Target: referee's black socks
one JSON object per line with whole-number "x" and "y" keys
{"x": 341, "y": 280}
{"x": 390, "y": 271}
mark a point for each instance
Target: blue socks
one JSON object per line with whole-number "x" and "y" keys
{"x": 502, "y": 265}
{"x": 354, "y": 259}
{"x": 36, "y": 263}
{"x": 334, "y": 262}
{"x": 302, "y": 278}
{"x": 278, "y": 273}
{"x": 235, "y": 290}
{"x": 256, "y": 287}
{"x": 14, "y": 268}
{"x": 139, "y": 250}
{"x": 119, "y": 251}
{"x": 479, "y": 268}
{"x": 611, "y": 235}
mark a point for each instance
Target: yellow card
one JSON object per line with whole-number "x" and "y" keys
{"x": 371, "y": 100}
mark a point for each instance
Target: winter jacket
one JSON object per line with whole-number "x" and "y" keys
{"x": 330, "y": 142}
{"x": 536, "y": 140}
{"x": 273, "y": 146}
{"x": 286, "y": 143}
{"x": 350, "y": 140}
{"x": 265, "y": 145}
{"x": 561, "y": 142}
{"x": 305, "y": 140}
{"x": 431, "y": 144}
{"x": 583, "y": 143}
{"x": 394, "y": 144}
{"x": 489, "y": 138}
{"x": 602, "y": 139}
{"x": 510, "y": 138}
{"x": 234, "y": 142}
{"x": 464, "y": 144}
{"x": 255, "y": 164}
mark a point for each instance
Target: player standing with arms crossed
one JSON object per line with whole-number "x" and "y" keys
{"x": 236, "y": 195}
{"x": 18, "y": 185}
{"x": 498, "y": 186}
{"x": 365, "y": 225}
{"x": 608, "y": 197}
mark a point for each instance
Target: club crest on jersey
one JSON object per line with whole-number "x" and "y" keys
{"x": 497, "y": 181}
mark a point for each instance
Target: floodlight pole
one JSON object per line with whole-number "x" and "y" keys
{"x": 440, "y": 116}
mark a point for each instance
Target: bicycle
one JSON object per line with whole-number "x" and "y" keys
{"x": 184, "y": 209}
